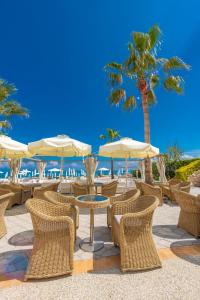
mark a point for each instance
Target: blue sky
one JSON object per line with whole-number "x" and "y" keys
{"x": 54, "y": 51}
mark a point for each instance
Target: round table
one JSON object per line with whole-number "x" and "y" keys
{"x": 92, "y": 202}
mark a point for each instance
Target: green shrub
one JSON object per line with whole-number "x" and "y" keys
{"x": 155, "y": 172}
{"x": 185, "y": 171}
{"x": 133, "y": 172}
{"x": 172, "y": 166}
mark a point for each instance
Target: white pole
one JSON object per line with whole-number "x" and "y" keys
{"x": 61, "y": 167}
{"x": 126, "y": 173}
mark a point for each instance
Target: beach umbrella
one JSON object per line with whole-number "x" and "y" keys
{"x": 103, "y": 170}
{"x": 61, "y": 146}
{"x": 54, "y": 170}
{"x": 90, "y": 166}
{"x": 128, "y": 148}
{"x": 10, "y": 148}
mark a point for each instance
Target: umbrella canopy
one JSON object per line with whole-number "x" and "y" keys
{"x": 128, "y": 148}
{"x": 103, "y": 169}
{"x": 61, "y": 145}
{"x": 12, "y": 149}
{"x": 54, "y": 170}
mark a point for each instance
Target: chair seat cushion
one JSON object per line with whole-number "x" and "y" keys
{"x": 117, "y": 218}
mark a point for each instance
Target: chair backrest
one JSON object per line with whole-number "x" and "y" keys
{"x": 188, "y": 202}
{"x": 109, "y": 189}
{"x": 148, "y": 189}
{"x": 174, "y": 181}
{"x": 58, "y": 198}
{"x": 131, "y": 193}
{"x": 79, "y": 189}
{"x": 15, "y": 188}
{"x": 146, "y": 202}
{"x": 4, "y": 200}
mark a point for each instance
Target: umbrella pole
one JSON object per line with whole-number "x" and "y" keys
{"x": 126, "y": 173}
{"x": 61, "y": 167}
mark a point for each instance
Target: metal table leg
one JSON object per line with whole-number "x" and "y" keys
{"x": 88, "y": 244}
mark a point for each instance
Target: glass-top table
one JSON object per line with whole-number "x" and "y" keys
{"x": 92, "y": 202}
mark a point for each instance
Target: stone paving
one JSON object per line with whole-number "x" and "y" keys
{"x": 15, "y": 247}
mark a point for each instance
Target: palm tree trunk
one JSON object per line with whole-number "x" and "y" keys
{"x": 112, "y": 168}
{"x": 148, "y": 167}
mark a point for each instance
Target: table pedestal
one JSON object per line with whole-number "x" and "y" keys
{"x": 88, "y": 244}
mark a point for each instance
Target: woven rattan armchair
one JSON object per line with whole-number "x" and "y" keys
{"x": 39, "y": 191}
{"x": 119, "y": 201}
{"x": 169, "y": 190}
{"x": 53, "y": 247}
{"x": 79, "y": 189}
{"x": 16, "y": 190}
{"x": 132, "y": 231}
{"x": 109, "y": 189}
{"x": 148, "y": 189}
{"x": 189, "y": 217}
{"x": 59, "y": 199}
{"x": 4, "y": 201}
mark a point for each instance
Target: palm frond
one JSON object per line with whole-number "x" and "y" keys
{"x": 114, "y": 79}
{"x": 102, "y": 137}
{"x": 116, "y": 96}
{"x": 112, "y": 134}
{"x": 129, "y": 104}
{"x": 154, "y": 35}
{"x": 131, "y": 59}
{"x": 173, "y": 83}
{"x": 151, "y": 98}
{"x": 6, "y": 89}
{"x": 114, "y": 65}
{"x": 141, "y": 41}
{"x": 5, "y": 125}
{"x": 12, "y": 107}
{"x": 149, "y": 61}
{"x": 175, "y": 63}
{"x": 154, "y": 81}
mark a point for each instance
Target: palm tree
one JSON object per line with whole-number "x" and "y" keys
{"x": 143, "y": 67}
{"x": 110, "y": 136}
{"x": 9, "y": 107}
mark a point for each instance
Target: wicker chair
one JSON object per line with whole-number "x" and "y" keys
{"x": 39, "y": 191}
{"x": 169, "y": 191}
{"x": 132, "y": 231}
{"x": 148, "y": 189}
{"x": 123, "y": 199}
{"x": 53, "y": 247}
{"x": 79, "y": 189}
{"x": 59, "y": 199}
{"x": 109, "y": 189}
{"x": 4, "y": 201}
{"x": 189, "y": 217}
{"x": 138, "y": 185}
{"x": 13, "y": 188}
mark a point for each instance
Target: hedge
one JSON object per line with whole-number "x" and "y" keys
{"x": 184, "y": 172}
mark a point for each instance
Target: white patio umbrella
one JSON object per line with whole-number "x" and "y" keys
{"x": 10, "y": 148}
{"x": 61, "y": 146}
{"x": 128, "y": 148}
{"x": 103, "y": 169}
